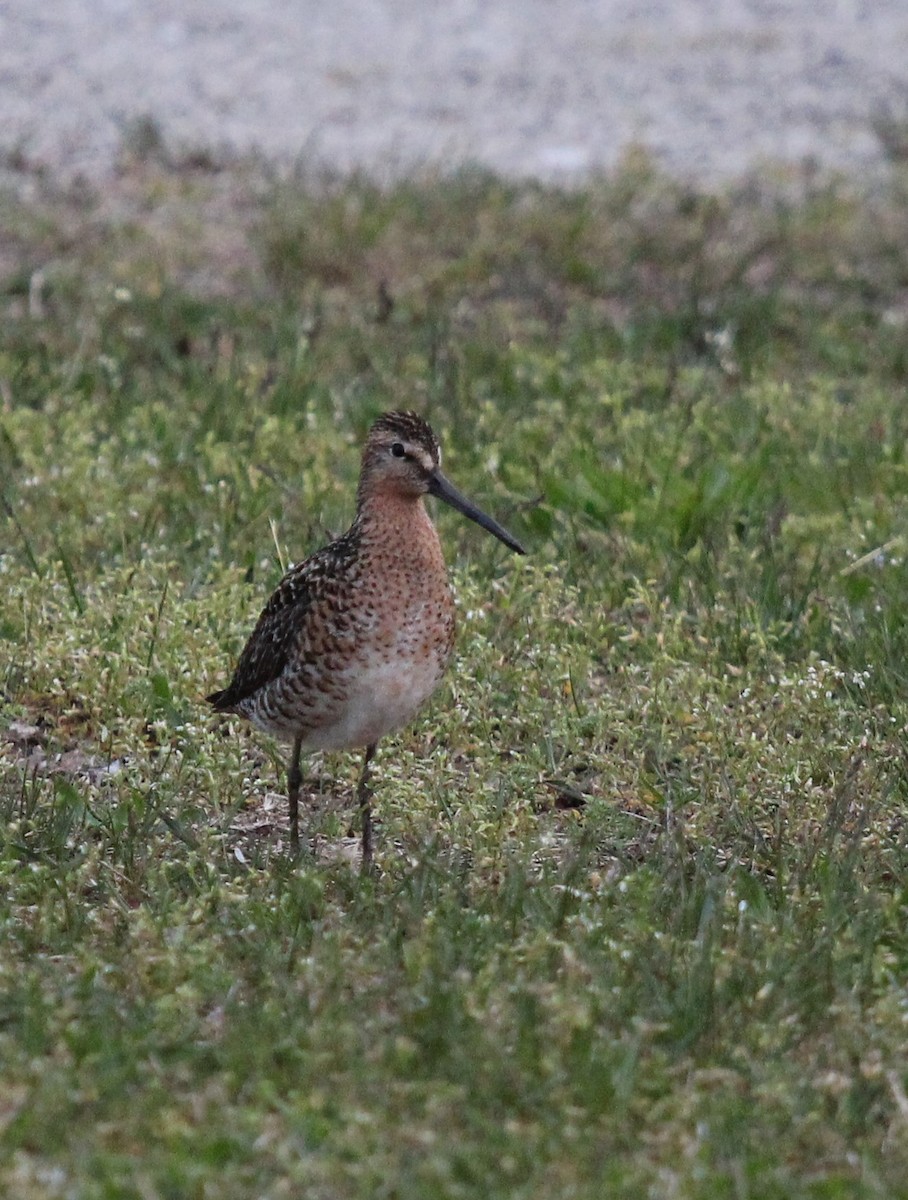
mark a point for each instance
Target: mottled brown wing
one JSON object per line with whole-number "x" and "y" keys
{"x": 272, "y": 641}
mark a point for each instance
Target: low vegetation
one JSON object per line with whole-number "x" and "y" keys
{"x": 638, "y": 926}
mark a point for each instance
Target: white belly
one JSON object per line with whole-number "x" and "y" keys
{"x": 380, "y": 698}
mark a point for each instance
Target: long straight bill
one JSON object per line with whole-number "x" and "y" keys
{"x": 445, "y": 490}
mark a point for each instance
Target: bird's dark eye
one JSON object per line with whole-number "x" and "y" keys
{"x": 398, "y": 450}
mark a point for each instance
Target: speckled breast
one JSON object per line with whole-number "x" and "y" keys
{"x": 371, "y": 651}
{"x": 403, "y": 629}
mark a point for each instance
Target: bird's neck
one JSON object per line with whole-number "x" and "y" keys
{"x": 394, "y": 524}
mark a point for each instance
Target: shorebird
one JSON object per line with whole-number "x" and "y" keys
{"x": 357, "y": 637}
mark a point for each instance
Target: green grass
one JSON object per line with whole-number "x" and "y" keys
{"x": 639, "y": 925}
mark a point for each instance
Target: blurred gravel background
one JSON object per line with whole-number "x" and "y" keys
{"x": 549, "y": 88}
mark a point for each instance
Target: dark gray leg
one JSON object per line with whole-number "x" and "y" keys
{"x": 363, "y": 796}
{"x": 294, "y": 780}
